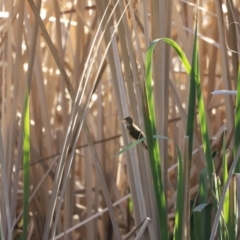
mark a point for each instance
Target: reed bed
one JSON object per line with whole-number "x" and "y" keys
{"x": 70, "y": 71}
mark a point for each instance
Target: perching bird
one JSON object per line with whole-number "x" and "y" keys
{"x": 134, "y": 131}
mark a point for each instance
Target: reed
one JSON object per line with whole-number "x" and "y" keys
{"x": 70, "y": 71}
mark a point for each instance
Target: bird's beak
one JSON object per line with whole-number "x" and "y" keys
{"x": 123, "y": 120}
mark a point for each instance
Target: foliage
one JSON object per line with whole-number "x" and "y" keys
{"x": 88, "y": 64}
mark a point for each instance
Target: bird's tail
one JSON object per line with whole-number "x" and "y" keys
{"x": 145, "y": 145}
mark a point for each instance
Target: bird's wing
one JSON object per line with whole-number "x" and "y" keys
{"x": 137, "y": 128}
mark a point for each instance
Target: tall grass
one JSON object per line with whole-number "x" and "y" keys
{"x": 89, "y": 64}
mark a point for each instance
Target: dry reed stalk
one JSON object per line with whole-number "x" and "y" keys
{"x": 225, "y": 66}
{"x": 133, "y": 169}
{"x": 135, "y": 91}
{"x": 72, "y": 32}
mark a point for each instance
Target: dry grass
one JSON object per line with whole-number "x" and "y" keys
{"x": 85, "y": 75}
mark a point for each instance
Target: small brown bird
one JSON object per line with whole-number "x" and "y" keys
{"x": 134, "y": 131}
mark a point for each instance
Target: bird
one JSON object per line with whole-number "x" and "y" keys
{"x": 134, "y": 131}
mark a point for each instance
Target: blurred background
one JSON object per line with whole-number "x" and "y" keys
{"x": 64, "y": 52}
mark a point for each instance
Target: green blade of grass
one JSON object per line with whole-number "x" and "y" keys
{"x": 26, "y": 163}
{"x": 192, "y": 98}
{"x": 153, "y": 149}
{"x": 202, "y": 221}
{"x": 237, "y": 120}
{"x": 226, "y": 205}
{"x": 180, "y": 53}
{"x": 233, "y": 214}
{"x": 204, "y": 132}
{"x": 202, "y": 118}
{"x": 203, "y": 187}
{"x": 178, "y": 228}
{"x": 233, "y": 210}
{"x": 129, "y": 146}
{"x": 192, "y": 90}
{"x": 150, "y": 126}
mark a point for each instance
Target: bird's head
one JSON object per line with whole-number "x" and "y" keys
{"x": 128, "y": 121}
